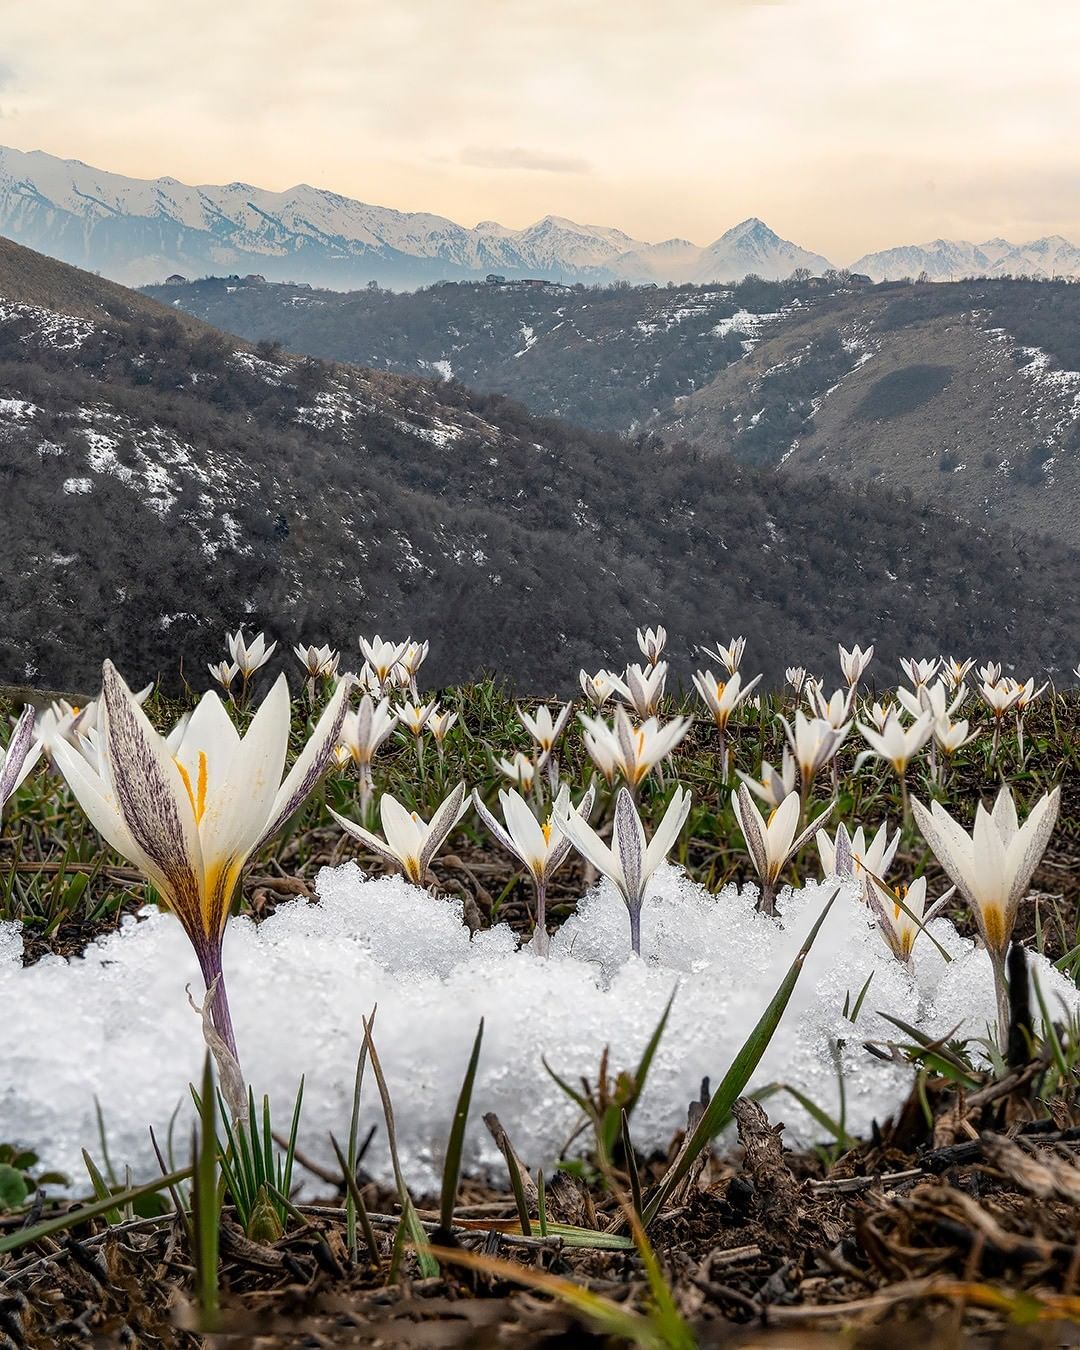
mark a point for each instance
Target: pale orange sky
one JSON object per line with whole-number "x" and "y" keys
{"x": 847, "y": 125}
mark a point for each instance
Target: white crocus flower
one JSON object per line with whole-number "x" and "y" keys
{"x": 190, "y": 810}
{"x": 602, "y": 747}
{"x": 600, "y": 687}
{"x": 836, "y": 710}
{"x": 365, "y": 730}
{"x": 722, "y": 697}
{"x": 382, "y": 657}
{"x": 730, "y": 657}
{"x": 224, "y": 673}
{"x": 652, "y": 642}
{"x": 796, "y": 677}
{"x": 956, "y": 672}
{"x": 22, "y": 753}
{"x": 319, "y": 663}
{"x": 992, "y": 867}
{"x": 772, "y": 843}
{"x": 1028, "y": 693}
{"x": 932, "y": 698}
{"x": 814, "y": 743}
{"x": 439, "y": 724}
{"x": 853, "y": 663}
{"x": 773, "y": 787}
{"x": 1002, "y": 697}
{"x": 520, "y": 770}
{"x": 952, "y": 736}
{"x": 249, "y": 656}
{"x": 920, "y": 672}
{"x": 543, "y": 728}
{"x": 74, "y": 721}
{"x": 631, "y": 861}
{"x": 413, "y": 657}
{"x": 538, "y": 846}
{"x": 633, "y": 751}
{"x": 414, "y": 717}
{"x": 990, "y": 673}
{"x": 901, "y": 914}
{"x": 896, "y": 744}
{"x": 410, "y": 843}
{"x": 878, "y": 714}
{"x": 875, "y": 858}
{"x": 643, "y": 689}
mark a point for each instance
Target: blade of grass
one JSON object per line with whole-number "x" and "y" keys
{"x": 456, "y": 1143}
{"x": 608, "y": 1317}
{"x": 429, "y": 1267}
{"x": 206, "y": 1205}
{"x": 352, "y": 1186}
{"x": 11, "y": 1242}
{"x": 101, "y": 1190}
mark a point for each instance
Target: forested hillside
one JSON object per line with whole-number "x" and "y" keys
{"x": 968, "y": 394}
{"x": 605, "y": 357}
{"x": 162, "y": 482}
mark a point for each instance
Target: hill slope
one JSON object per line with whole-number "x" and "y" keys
{"x": 159, "y": 483}
{"x": 603, "y": 357}
{"x": 966, "y": 394}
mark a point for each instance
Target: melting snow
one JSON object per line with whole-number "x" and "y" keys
{"x": 115, "y": 1023}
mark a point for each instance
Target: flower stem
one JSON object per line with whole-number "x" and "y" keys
{"x": 541, "y": 934}
{"x": 1001, "y": 989}
{"x": 635, "y": 930}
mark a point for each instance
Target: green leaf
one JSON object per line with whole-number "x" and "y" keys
{"x": 13, "y": 1188}
{"x": 206, "y": 1203}
{"x": 456, "y": 1143}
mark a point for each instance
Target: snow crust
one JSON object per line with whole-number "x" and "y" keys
{"x": 115, "y": 1023}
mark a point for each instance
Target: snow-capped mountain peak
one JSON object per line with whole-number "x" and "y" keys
{"x": 140, "y": 230}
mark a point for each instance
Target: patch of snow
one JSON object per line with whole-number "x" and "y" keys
{"x": 115, "y": 1023}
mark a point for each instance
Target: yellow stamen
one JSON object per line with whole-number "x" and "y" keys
{"x": 546, "y": 827}
{"x": 197, "y": 796}
{"x": 772, "y": 816}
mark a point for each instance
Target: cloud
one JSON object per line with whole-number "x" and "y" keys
{"x": 514, "y": 157}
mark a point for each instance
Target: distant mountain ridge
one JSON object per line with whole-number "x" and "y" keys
{"x": 957, "y": 259}
{"x": 138, "y": 231}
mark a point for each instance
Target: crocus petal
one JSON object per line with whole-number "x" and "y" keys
{"x": 311, "y": 763}
{"x": 97, "y": 800}
{"x": 667, "y": 831}
{"x": 153, "y": 800}
{"x": 442, "y": 822}
{"x": 630, "y": 842}
{"x": 17, "y": 761}
{"x": 809, "y": 832}
{"x": 1029, "y": 844}
{"x": 365, "y": 837}
{"x": 591, "y": 847}
{"x": 524, "y": 827}
{"x": 753, "y": 828}
{"x": 495, "y": 828}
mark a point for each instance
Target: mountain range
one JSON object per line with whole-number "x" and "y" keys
{"x": 161, "y": 482}
{"x": 137, "y": 231}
